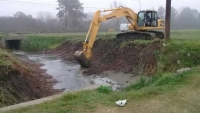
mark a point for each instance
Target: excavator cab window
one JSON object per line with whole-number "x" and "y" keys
{"x": 141, "y": 18}
{"x": 147, "y": 19}
{"x": 151, "y": 19}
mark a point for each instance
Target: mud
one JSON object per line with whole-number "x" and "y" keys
{"x": 110, "y": 55}
{"x": 24, "y": 81}
{"x": 116, "y": 80}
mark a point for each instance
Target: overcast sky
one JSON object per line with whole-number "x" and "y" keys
{"x": 9, "y": 7}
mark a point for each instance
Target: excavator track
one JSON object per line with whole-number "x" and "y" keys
{"x": 134, "y": 35}
{"x": 159, "y": 34}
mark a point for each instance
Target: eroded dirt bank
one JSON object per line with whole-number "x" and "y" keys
{"x": 116, "y": 55}
{"x": 22, "y": 81}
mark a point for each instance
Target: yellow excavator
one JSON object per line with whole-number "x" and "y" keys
{"x": 144, "y": 25}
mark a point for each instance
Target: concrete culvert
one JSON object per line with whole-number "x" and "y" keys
{"x": 13, "y": 44}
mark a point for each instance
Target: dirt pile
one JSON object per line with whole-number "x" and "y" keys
{"x": 20, "y": 82}
{"x": 116, "y": 55}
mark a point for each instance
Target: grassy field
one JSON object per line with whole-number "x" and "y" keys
{"x": 165, "y": 92}
{"x": 39, "y": 42}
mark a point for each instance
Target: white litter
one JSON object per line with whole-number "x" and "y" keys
{"x": 121, "y": 102}
{"x": 178, "y": 62}
{"x": 183, "y": 70}
{"x": 164, "y": 44}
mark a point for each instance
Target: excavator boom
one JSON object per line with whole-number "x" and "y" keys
{"x": 83, "y": 56}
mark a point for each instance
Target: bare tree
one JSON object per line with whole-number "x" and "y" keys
{"x": 117, "y": 21}
{"x": 161, "y": 12}
{"x": 45, "y": 16}
{"x": 48, "y": 22}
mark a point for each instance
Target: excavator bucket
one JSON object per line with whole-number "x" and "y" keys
{"x": 81, "y": 59}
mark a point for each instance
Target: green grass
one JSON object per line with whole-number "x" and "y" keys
{"x": 186, "y": 35}
{"x": 67, "y": 34}
{"x": 181, "y": 51}
{"x": 50, "y": 41}
{"x": 88, "y": 101}
{"x": 160, "y": 80}
{"x": 104, "y": 89}
{"x": 7, "y": 59}
{"x": 39, "y": 43}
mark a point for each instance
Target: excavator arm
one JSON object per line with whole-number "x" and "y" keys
{"x": 84, "y": 56}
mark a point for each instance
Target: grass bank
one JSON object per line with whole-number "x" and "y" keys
{"x": 181, "y": 51}
{"x": 157, "y": 92}
{"x": 8, "y": 60}
{"x": 21, "y": 81}
{"x": 9, "y": 73}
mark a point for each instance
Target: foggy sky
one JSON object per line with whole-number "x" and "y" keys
{"x": 9, "y": 8}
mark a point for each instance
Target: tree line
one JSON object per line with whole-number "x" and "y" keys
{"x": 71, "y": 18}
{"x": 185, "y": 18}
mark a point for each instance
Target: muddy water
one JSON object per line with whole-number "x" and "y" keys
{"x": 65, "y": 74}
{"x": 69, "y": 76}
{"x": 116, "y": 80}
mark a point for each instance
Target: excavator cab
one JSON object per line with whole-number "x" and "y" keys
{"x": 147, "y": 18}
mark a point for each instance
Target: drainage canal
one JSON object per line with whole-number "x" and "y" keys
{"x": 69, "y": 75}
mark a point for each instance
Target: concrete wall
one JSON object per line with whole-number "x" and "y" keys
{"x": 4, "y": 39}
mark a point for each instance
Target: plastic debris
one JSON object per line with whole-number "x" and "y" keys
{"x": 164, "y": 44}
{"x": 183, "y": 70}
{"x": 121, "y": 103}
{"x": 178, "y": 62}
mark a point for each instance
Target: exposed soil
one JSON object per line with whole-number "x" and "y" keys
{"x": 24, "y": 82}
{"x": 21, "y": 82}
{"x": 109, "y": 55}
